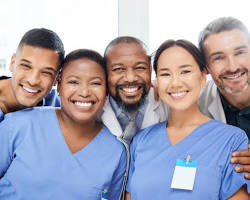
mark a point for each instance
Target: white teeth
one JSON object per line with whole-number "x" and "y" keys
{"x": 178, "y": 94}
{"x": 130, "y": 90}
{"x": 83, "y": 104}
{"x": 30, "y": 90}
{"x": 233, "y": 77}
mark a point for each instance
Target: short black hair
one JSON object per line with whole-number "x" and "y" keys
{"x": 85, "y": 53}
{"x": 190, "y": 47}
{"x": 126, "y": 40}
{"x": 44, "y": 38}
{"x": 220, "y": 25}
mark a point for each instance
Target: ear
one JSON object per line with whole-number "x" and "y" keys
{"x": 12, "y": 62}
{"x": 204, "y": 78}
{"x": 58, "y": 82}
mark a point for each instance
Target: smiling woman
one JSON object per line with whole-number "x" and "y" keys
{"x": 189, "y": 144}
{"x": 60, "y": 158}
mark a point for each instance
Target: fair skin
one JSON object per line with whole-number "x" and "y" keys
{"x": 33, "y": 73}
{"x": 228, "y": 58}
{"x": 180, "y": 80}
{"x": 129, "y": 69}
{"x": 83, "y": 92}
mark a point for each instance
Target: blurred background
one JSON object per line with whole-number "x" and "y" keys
{"x": 94, "y": 23}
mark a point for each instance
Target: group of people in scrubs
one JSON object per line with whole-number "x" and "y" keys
{"x": 68, "y": 153}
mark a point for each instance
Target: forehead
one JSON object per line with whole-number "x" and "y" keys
{"x": 127, "y": 51}
{"x": 225, "y": 41}
{"x": 175, "y": 56}
{"x": 83, "y": 66}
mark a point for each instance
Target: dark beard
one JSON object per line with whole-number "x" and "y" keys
{"x": 126, "y": 107}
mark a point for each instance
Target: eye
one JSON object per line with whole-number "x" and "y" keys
{"x": 185, "y": 71}
{"x": 25, "y": 66}
{"x": 140, "y": 67}
{"x": 73, "y": 82}
{"x": 48, "y": 73}
{"x": 96, "y": 83}
{"x": 240, "y": 52}
{"x": 164, "y": 74}
{"x": 118, "y": 69}
{"x": 218, "y": 58}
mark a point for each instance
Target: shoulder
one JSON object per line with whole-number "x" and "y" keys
{"x": 111, "y": 140}
{"x": 209, "y": 92}
{"x": 26, "y": 115}
{"x": 148, "y": 133}
{"x": 227, "y": 132}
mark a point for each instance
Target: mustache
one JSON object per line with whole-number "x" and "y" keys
{"x": 118, "y": 86}
{"x": 239, "y": 70}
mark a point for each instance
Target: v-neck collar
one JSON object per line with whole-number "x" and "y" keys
{"x": 196, "y": 133}
{"x": 64, "y": 143}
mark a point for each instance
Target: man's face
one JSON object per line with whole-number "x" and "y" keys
{"x": 228, "y": 59}
{"x": 33, "y": 73}
{"x": 129, "y": 74}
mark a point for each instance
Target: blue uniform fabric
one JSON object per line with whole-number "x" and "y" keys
{"x": 36, "y": 163}
{"x": 153, "y": 160}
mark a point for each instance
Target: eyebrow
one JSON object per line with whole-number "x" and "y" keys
{"x": 77, "y": 77}
{"x": 121, "y": 64}
{"x": 220, "y": 52}
{"x": 180, "y": 67}
{"x": 48, "y": 68}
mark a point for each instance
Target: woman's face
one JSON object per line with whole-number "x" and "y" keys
{"x": 179, "y": 78}
{"x": 82, "y": 90}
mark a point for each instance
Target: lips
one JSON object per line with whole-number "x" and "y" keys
{"x": 83, "y": 104}
{"x": 178, "y": 95}
{"x": 233, "y": 76}
{"x": 29, "y": 90}
{"x": 131, "y": 89}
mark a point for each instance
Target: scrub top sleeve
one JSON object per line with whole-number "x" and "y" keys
{"x": 6, "y": 147}
{"x": 231, "y": 180}
{"x": 131, "y": 163}
{"x": 117, "y": 179}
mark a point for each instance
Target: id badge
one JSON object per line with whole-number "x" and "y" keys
{"x": 184, "y": 174}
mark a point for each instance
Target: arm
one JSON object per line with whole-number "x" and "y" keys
{"x": 241, "y": 194}
{"x": 127, "y": 197}
{"x": 242, "y": 157}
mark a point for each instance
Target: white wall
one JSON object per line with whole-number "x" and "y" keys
{"x": 79, "y": 23}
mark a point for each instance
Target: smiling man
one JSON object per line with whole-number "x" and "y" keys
{"x": 225, "y": 44}
{"x": 129, "y": 81}
{"x": 34, "y": 67}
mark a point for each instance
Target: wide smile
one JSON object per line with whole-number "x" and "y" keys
{"x": 178, "y": 95}
{"x": 29, "y": 90}
{"x": 131, "y": 90}
{"x": 83, "y": 105}
{"x": 234, "y": 76}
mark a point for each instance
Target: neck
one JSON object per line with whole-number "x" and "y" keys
{"x": 189, "y": 117}
{"x": 240, "y": 100}
{"x": 77, "y": 129}
{"x": 8, "y": 101}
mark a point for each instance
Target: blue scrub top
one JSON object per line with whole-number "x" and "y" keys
{"x": 52, "y": 99}
{"x": 153, "y": 160}
{"x": 36, "y": 163}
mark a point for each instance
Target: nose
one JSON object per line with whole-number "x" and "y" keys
{"x": 33, "y": 78}
{"x": 232, "y": 64}
{"x": 175, "y": 81}
{"x": 84, "y": 91}
{"x": 130, "y": 75}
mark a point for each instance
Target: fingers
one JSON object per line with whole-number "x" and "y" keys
{"x": 242, "y": 153}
